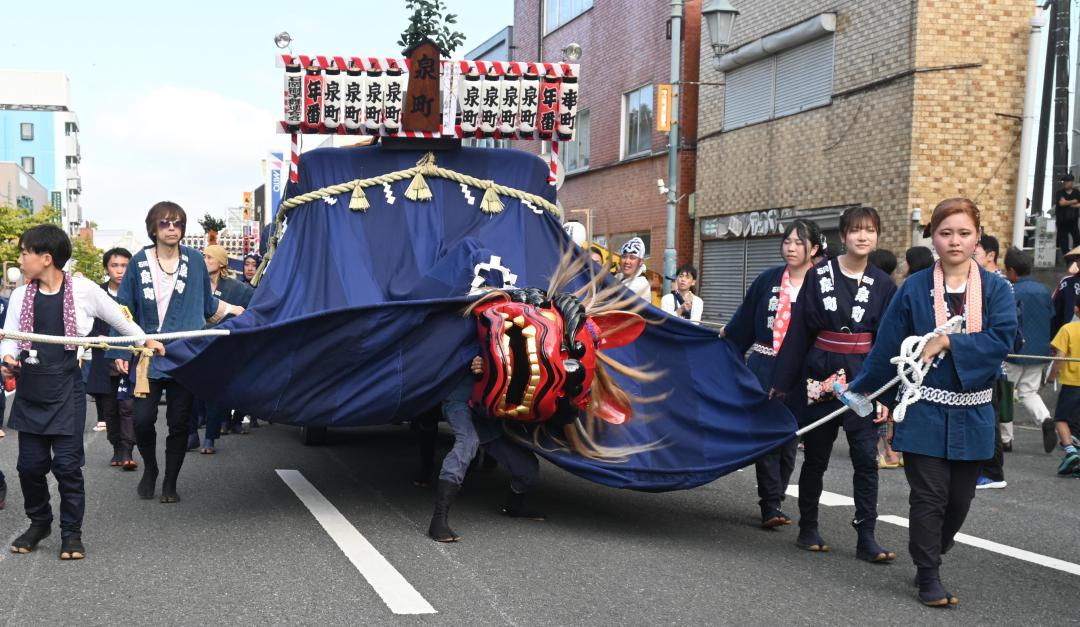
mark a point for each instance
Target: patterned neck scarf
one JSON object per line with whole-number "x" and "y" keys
{"x": 973, "y": 318}
{"x": 783, "y": 312}
{"x": 26, "y": 315}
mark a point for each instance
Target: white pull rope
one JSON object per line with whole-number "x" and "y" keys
{"x": 121, "y": 340}
{"x": 909, "y": 370}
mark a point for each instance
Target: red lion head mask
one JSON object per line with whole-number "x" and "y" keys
{"x": 540, "y": 356}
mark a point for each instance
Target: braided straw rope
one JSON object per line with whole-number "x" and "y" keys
{"x": 120, "y": 342}
{"x": 418, "y": 191}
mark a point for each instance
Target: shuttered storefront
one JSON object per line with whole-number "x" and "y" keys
{"x": 728, "y": 267}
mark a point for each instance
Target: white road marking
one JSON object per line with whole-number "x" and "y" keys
{"x": 1001, "y": 549}
{"x": 830, "y": 499}
{"x": 396, "y": 592}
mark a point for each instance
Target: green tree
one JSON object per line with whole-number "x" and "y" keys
{"x": 425, "y": 22}
{"x": 210, "y": 223}
{"x": 14, "y": 221}
{"x": 87, "y": 258}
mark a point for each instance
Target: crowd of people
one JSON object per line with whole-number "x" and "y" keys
{"x": 813, "y": 328}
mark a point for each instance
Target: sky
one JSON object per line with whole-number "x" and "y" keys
{"x": 179, "y": 101}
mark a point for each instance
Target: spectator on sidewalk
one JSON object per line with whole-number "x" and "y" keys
{"x": 1067, "y": 426}
{"x": 1027, "y": 374}
{"x": 682, "y": 301}
{"x": 917, "y": 258}
{"x": 1066, "y": 212}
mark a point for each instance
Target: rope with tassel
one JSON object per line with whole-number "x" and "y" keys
{"x": 142, "y": 370}
{"x": 418, "y": 191}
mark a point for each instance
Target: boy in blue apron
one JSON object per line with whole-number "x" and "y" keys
{"x": 49, "y": 411}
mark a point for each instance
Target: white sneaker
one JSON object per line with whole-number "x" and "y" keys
{"x": 99, "y": 426}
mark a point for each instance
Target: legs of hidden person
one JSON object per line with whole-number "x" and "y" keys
{"x": 524, "y": 469}
{"x": 459, "y": 416}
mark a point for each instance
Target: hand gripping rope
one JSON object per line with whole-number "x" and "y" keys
{"x": 124, "y": 342}
{"x": 909, "y": 370}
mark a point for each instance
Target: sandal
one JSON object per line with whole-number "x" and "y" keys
{"x": 884, "y": 464}
{"x": 208, "y": 447}
{"x": 71, "y": 548}
{"x": 29, "y": 540}
{"x": 810, "y": 540}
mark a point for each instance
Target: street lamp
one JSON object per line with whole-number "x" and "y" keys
{"x": 720, "y": 19}
{"x": 571, "y": 53}
{"x": 283, "y": 40}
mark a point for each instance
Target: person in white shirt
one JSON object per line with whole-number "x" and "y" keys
{"x": 49, "y": 411}
{"x": 632, "y": 268}
{"x": 682, "y": 301}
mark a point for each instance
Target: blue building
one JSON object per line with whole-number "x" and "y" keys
{"x": 39, "y": 131}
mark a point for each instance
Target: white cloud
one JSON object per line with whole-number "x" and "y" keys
{"x": 192, "y": 146}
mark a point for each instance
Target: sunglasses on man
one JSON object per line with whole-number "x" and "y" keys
{"x": 177, "y": 224}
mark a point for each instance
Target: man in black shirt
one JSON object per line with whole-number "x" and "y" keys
{"x": 1066, "y": 209}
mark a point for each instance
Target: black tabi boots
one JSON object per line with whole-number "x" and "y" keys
{"x": 173, "y": 462}
{"x": 148, "y": 483}
{"x": 439, "y": 530}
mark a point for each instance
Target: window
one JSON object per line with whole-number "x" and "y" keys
{"x": 71, "y": 161}
{"x": 26, "y": 130}
{"x": 486, "y": 142}
{"x": 784, "y": 84}
{"x": 70, "y": 127}
{"x": 559, "y": 12}
{"x": 637, "y": 121}
{"x": 28, "y": 164}
{"x": 576, "y": 152}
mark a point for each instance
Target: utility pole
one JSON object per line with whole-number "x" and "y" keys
{"x": 1037, "y": 191}
{"x": 1031, "y": 85}
{"x": 1061, "y": 91}
{"x": 673, "y": 142}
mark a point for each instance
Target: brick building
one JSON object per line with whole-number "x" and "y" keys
{"x": 617, "y": 155}
{"x": 830, "y": 104}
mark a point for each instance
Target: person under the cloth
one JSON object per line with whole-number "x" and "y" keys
{"x": 49, "y": 411}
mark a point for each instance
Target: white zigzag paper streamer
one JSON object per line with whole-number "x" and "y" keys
{"x": 389, "y": 193}
{"x": 468, "y": 195}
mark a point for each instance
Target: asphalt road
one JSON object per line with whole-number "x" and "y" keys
{"x": 241, "y": 548}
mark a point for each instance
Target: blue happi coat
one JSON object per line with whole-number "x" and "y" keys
{"x": 829, "y": 301}
{"x": 752, "y": 322}
{"x": 972, "y": 365}
{"x": 192, "y": 302}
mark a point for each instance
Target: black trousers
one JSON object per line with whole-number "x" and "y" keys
{"x": 994, "y": 468}
{"x": 118, "y": 416}
{"x": 817, "y": 448}
{"x": 773, "y": 471}
{"x": 1069, "y": 228}
{"x": 178, "y": 408}
{"x": 941, "y": 493}
{"x": 64, "y": 456}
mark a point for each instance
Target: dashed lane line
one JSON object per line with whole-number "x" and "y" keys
{"x": 830, "y": 499}
{"x": 398, "y": 594}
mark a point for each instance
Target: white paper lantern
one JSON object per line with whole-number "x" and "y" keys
{"x": 393, "y": 99}
{"x": 469, "y": 102}
{"x": 333, "y": 98}
{"x": 294, "y": 96}
{"x": 489, "y": 104}
{"x": 352, "y": 115}
{"x": 529, "y": 104}
{"x": 568, "y": 105}
{"x": 509, "y": 99}
{"x": 374, "y": 89}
